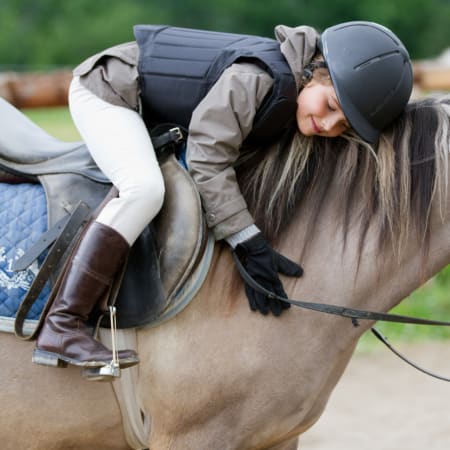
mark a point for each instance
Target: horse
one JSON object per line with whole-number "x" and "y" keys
{"x": 368, "y": 225}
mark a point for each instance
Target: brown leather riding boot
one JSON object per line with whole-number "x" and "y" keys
{"x": 65, "y": 337}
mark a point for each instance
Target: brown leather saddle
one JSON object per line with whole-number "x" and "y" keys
{"x": 161, "y": 260}
{"x": 167, "y": 251}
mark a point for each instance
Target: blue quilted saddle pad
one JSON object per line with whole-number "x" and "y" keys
{"x": 23, "y": 219}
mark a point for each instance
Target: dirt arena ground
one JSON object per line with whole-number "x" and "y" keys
{"x": 383, "y": 404}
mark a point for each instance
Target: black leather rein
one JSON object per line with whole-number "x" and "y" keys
{"x": 351, "y": 313}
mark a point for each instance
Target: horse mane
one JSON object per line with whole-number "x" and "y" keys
{"x": 393, "y": 184}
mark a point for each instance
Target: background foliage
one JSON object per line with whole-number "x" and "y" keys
{"x": 48, "y": 33}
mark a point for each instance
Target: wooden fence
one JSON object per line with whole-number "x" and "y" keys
{"x": 30, "y": 90}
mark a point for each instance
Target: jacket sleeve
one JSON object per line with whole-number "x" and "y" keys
{"x": 219, "y": 125}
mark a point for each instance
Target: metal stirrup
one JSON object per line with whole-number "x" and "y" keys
{"x": 111, "y": 370}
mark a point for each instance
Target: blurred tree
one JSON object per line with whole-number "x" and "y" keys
{"x": 423, "y": 26}
{"x": 46, "y": 33}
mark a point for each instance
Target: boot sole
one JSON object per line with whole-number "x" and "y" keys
{"x": 51, "y": 359}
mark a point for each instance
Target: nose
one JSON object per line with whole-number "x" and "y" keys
{"x": 332, "y": 121}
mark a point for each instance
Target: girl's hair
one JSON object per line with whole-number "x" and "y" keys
{"x": 392, "y": 184}
{"x": 276, "y": 180}
{"x": 317, "y": 70}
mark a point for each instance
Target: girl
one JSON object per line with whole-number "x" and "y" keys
{"x": 230, "y": 91}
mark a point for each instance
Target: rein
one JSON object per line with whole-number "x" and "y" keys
{"x": 351, "y": 313}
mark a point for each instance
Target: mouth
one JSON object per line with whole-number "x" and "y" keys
{"x": 316, "y": 129}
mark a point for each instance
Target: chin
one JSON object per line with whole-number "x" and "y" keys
{"x": 306, "y": 131}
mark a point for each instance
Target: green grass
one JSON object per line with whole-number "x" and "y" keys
{"x": 56, "y": 121}
{"x": 432, "y": 300}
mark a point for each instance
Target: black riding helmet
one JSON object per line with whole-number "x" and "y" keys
{"x": 371, "y": 73}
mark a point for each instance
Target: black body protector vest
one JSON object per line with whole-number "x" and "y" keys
{"x": 178, "y": 66}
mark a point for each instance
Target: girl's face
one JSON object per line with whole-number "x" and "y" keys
{"x": 319, "y": 112}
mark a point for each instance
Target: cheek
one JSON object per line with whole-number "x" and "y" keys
{"x": 299, "y": 115}
{"x": 309, "y": 102}
{"x": 302, "y": 100}
{"x": 302, "y": 105}
{"x": 304, "y": 112}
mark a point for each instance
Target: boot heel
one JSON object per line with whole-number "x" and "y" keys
{"x": 47, "y": 359}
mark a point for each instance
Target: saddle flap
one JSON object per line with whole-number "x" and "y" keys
{"x": 179, "y": 227}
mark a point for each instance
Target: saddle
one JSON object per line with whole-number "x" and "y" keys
{"x": 164, "y": 256}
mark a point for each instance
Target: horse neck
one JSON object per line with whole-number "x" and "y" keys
{"x": 378, "y": 278}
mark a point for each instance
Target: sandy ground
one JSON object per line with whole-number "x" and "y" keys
{"x": 383, "y": 404}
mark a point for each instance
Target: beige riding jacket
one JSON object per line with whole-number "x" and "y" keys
{"x": 219, "y": 124}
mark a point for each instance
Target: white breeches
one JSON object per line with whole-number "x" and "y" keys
{"x": 120, "y": 145}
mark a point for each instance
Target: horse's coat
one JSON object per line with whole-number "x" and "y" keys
{"x": 219, "y": 376}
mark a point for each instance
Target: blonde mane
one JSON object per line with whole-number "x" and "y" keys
{"x": 393, "y": 184}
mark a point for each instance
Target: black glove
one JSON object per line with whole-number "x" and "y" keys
{"x": 263, "y": 264}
